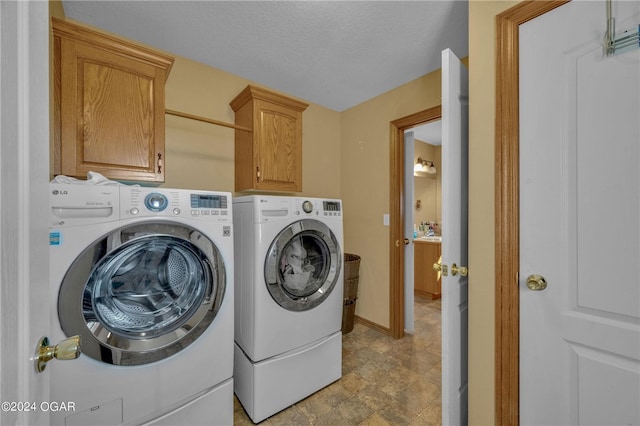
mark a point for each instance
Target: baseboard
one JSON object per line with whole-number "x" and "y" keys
{"x": 426, "y": 294}
{"x": 371, "y": 324}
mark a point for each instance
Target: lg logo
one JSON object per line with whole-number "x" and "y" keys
{"x": 57, "y": 192}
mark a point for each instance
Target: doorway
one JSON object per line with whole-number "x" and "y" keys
{"x": 397, "y": 213}
{"x": 423, "y": 215}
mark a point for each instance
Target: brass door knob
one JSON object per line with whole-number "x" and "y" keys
{"x": 439, "y": 267}
{"x": 67, "y": 349}
{"x": 462, "y": 270}
{"x": 536, "y": 282}
{"x": 405, "y": 242}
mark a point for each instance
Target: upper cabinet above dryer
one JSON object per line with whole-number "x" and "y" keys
{"x": 270, "y": 157}
{"x": 108, "y": 105}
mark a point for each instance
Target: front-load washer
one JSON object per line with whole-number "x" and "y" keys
{"x": 288, "y": 301}
{"x": 145, "y": 277}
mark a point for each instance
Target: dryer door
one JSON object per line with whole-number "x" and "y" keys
{"x": 142, "y": 292}
{"x": 303, "y": 265}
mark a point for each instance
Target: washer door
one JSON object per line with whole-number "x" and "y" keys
{"x": 142, "y": 293}
{"x": 303, "y": 265}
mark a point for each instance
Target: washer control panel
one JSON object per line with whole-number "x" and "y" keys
{"x": 201, "y": 205}
{"x": 156, "y": 202}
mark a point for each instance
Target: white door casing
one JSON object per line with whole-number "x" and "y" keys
{"x": 24, "y": 174}
{"x": 455, "y": 184}
{"x": 579, "y": 226}
{"x": 408, "y": 230}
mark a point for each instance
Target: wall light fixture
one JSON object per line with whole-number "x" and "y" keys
{"x": 422, "y": 166}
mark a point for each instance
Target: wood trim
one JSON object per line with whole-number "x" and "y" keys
{"x": 371, "y": 324}
{"x": 98, "y": 39}
{"x": 396, "y": 214}
{"x": 507, "y": 237}
{"x": 254, "y": 92}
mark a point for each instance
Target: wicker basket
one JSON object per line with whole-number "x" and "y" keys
{"x": 351, "y": 279}
{"x": 351, "y": 266}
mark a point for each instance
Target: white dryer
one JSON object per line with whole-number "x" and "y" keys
{"x": 288, "y": 301}
{"x": 145, "y": 277}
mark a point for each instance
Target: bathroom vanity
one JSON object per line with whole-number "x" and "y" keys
{"x": 426, "y": 252}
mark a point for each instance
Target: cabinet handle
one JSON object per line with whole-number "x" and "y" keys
{"x": 257, "y": 174}
{"x": 159, "y": 163}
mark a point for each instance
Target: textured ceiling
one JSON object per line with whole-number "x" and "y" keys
{"x": 333, "y": 53}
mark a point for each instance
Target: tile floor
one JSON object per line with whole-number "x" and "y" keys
{"x": 384, "y": 381}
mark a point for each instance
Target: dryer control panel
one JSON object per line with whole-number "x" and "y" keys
{"x": 317, "y": 207}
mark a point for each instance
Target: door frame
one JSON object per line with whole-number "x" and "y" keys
{"x": 507, "y": 199}
{"x": 396, "y": 214}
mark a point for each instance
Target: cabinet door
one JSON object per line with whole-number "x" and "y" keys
{"x": 426, "y": 281}
{"x": 278, "y": 148}
{"x": 111, "y": 114}
{"x": 433, "y": 255}
{"x": 419, "y": 274}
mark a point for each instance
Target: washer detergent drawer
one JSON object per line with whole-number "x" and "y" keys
{"x": 269, "y": 386}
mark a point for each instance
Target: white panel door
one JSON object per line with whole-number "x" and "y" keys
{"x": 579, "y": 219}
{"x": 408, "y": 230}
{"x": 455, "y": 129}
{"x": 24, "y": 251}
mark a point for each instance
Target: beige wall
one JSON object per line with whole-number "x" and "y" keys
{"x": 365, "y": 185}
{"x": 200, "y": 155}
{"x": 481, "y": 208}
{"x": 56, "y": 9}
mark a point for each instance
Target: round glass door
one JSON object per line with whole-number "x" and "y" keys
{"x": 142, "y": 293}
{"x": 303, "y": 265}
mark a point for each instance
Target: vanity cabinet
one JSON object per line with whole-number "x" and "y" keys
{"x": 269, "y": 158}
{"x": 108, "y": 105}
{"x": 426, "y": 281}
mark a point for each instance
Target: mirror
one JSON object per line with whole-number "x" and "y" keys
{"x": 427, "y": 184}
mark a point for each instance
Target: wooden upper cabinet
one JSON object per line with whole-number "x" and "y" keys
{"x": 270, "y": 157}
{"x": 108, "y": 105}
